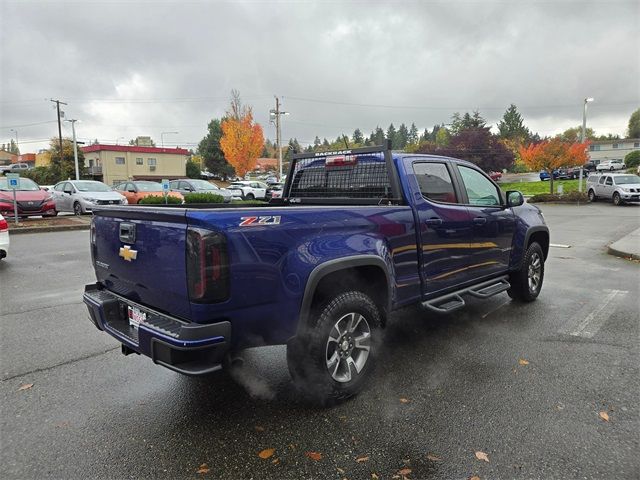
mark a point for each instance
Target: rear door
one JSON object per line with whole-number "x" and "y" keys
{"x": 493, "y": 223}
{"x": 139, "y": 253}
{"x": 444, "y": 227}
{"x": 600, "y": 189}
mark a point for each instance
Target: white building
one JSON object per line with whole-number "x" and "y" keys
{"x": 601, "y": 150}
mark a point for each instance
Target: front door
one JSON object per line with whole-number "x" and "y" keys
{"x": 493, "y": 224}
{"x": 444, "y": 227}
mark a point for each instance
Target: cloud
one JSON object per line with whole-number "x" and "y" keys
{"x": 141, "y": 68}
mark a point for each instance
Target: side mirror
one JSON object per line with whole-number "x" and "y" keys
{"x": 514, "y": 199}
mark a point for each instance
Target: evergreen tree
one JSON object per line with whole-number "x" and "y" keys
{"x": 325, "y": 143}
{"x": 316, "y": 142}
{"x": 413, "y": 134}
{"x": 377, "y": 137}
{"x": 391, "y": 135}
{"x": 209, "y": 149}
{"x": 13, "y": 148}
{"x": 512, "y": 125}
{"x": 357, "y": 137}
{"x": 402, "y": 136}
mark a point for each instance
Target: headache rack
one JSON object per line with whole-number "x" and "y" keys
{"x": 356, "y": 176}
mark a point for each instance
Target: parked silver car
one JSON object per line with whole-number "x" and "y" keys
{"x": 619, "y": 187}
{"x": 80, "y": 196}
{"x": 194, "y": 185}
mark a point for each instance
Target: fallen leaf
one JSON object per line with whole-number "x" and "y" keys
{"x": 266, "y": 453}
{"x": 523, "y": 362}
{"x": 404, "y": 472}
{"x": 433, "y": 458}
{"x": 314, "y": 455}
{"x": 374, "y": 476}
{"x": 482, "y": 456}
{"x": 25, "y": 386}
{"x": 475, "y": 477}
{"x": 340, "y": 470}
{"x": 259, "y": 428}
{"x": 203, "y": 469}
{"x": 404, "y": 400}
{"x": 275, "y": 461}
{"x": 362, "y": 459}
{"x": 604, "y": 416}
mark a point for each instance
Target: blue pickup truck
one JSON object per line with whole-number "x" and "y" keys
{"x": 357, "y": 234}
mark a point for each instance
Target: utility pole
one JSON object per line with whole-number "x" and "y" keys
{"x": 276, "y": 113}
{"x": 75, "y": 146}
{"x": 58, "y": 102}
{"x": 583, "y": 135}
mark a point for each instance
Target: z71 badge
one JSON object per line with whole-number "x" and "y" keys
{"x": 254, "y": 221}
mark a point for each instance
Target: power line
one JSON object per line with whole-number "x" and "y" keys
{"x": 28, "y": 124}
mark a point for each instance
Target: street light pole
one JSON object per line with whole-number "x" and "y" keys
{"x": 17, "y": 143}
{"x": 583, "y": 135}
{"x": 162, "y": 136}
{"x": 75, "y": 146}
{"x": 276, "y": 113}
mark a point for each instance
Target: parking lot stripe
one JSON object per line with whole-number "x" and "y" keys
{"x": 592, "y": 323}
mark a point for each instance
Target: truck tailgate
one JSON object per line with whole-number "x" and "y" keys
{"x": 139, "y": 253}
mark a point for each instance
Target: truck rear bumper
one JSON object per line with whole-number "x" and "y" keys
{"x": 191, "y": 349}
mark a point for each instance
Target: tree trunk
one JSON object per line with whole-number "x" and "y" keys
{"x": 551, "y": 181}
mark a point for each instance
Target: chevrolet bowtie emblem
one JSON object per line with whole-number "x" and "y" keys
{"x": 127, "y": 253}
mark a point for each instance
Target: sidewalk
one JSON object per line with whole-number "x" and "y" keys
{"x": 627, "y": 247}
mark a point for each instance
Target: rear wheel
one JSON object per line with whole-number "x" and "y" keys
{"x": 77, "y": 208}
{"x": 332, "y": 356}
{"x": 250, "y": 196}
{"x": 526, "y": 282}
{"x": 592, "y": 196}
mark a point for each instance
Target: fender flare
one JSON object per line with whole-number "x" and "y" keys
{"x": 531, "y": 231}
{"x": 343, "y": 263}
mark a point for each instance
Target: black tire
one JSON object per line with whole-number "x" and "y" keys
{"x": 250, "y": 196}
{"x": 617, "y": 200}
{"x": 77, "y": 208}
{"x": 611, "y": 169}
{"x": 592, "y": 196}
{"x": 522, "y": 288}
{"x": 311, "y": 352}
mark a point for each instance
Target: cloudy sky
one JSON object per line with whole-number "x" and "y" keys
{"x": 129, "y": 68}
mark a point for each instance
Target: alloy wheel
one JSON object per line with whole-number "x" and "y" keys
{"x": 348, "y": 347}
{"x": 534, "y": 273}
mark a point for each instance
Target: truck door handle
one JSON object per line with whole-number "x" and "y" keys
{"x": 480, "y": 220}
{"x": 433, "y": 221}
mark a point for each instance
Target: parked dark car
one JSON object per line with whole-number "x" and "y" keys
{"x": 591, "y": 165}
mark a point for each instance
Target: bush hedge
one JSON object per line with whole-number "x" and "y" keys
{"x": 203, "y": 198}
{"x": 159, "y": 199}
{"x": 632, "y": 159}
{"x": 571, "y": 197}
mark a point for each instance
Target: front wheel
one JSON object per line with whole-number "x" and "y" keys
{"x": 526, "y": 282}
{"x": 77, "y": 208}
{"x": 592, "y": 196}
{"x": 617, "y": 200}
{"x": 250, "y": 196}
{"x": 333, "y": 353}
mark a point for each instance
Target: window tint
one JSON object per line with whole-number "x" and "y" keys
{"x": 609, "y": 181}
{"x": 59, "y": 187}
{"x": 174, "y": 184}
{"x": 601, "y": 181}
{"x": 480, "y": 190}
{"x": 435, "y": 182}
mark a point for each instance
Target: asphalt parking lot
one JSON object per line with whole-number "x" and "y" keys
{"x": 545, "y": 390}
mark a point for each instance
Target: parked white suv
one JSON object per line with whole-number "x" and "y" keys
{"x": 610, "y": 165}
{"x": 250, "y": 190}
{"x": 619, "y": 187}
{"x": 15, "y": 168}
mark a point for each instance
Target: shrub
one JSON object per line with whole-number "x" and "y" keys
{"x": 632, "y": 159}
{"x": 571, "y": 197}
{"x": 203, "y": 198}
{"x": 159, "y": 199}
{"x": 193, "y": 170}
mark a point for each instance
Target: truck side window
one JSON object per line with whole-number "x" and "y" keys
{"x": 435, "y": 182}
{"x": 601, "y": 181}
{"x": 608, "y": 181}
{"x": 480, "y": 190}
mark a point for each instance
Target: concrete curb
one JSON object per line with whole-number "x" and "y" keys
{"x": 627, "y": 247}
{"x": 51, "y": 228}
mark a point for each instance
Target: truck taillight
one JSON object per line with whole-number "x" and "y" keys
{"x": 4, "y": 226}
{"x": 207, "y": 266}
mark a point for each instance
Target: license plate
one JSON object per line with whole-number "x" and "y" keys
{"x": 135, "y": 316}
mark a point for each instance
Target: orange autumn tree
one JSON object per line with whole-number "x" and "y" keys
{"x": 552, "y": 154}
{"x": 242, "y": 139}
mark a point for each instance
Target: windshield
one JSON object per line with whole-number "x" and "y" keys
{"x": 203, "y": 185}
{"x": 149, "y": 186}
{"x": 90, "y": 186}
{"x": 627, "y": 179}
{"x": 26, "y": 185}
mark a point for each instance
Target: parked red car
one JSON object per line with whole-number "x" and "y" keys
{"x": 495, "y": 176}
{"x": 32, "y": 200}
